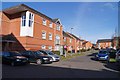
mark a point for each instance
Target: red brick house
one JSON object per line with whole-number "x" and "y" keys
{"x": 67, "y": 42}
{"x": 104, "y": 43}
{"x": 29, "y": 29}
{"x": 116, "y": 42}
{"x": 87, "y": 45}
{"x": 76, "y": 42}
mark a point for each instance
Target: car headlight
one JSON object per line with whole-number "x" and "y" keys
{"x": 45, "y": 58}
{"x": 106, "y": 56}
{"x": 18, "y": 60}
{"x": 96, "y": 55}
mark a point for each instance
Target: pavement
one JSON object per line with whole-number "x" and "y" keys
{"x": 83, "y": 66}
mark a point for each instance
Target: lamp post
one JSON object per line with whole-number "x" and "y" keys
{"x": 71, "y": 47}
{"x": 71, "y": 30}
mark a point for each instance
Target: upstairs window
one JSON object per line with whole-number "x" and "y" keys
{"x": 30, "y": 23}
{"x": 50, "y": 36}
{"x": 64, "y": 39}
{"x": 44, "y": 21}
{"x": 43, "y": 35}
{"x": 57, "y": 41}
{"x": 58, "y": 27}
{"x": 24, "y": 19}
{"x": 27, "y": 19}
{"x": 50, "y": 24}
{"x": 70, "y": 40}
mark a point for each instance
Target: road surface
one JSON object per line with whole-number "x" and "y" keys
{"x": 78, "y": 67}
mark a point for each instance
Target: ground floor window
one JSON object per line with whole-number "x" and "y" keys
{"x": 43, "y": 47}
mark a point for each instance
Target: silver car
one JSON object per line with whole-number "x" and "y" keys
{"x": 55, "y": 57}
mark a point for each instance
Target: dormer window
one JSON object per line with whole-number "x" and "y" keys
{"x": 44, "y": 21}
{"x": 27, "y": 24}
{"x": 24, "y": 19}
{"x": 30, "y": 23}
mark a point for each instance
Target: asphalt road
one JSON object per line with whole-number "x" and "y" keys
{"x": 79, "y": 67}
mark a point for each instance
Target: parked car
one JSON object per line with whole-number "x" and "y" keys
{"x": 102, "y": 55}
{"x": 112, "y": 54}
{"x": 13, "y": 58}
{"x": 118, "y": 56}
{"x": 37, "y": 57}
{"x": 55, "y": 57}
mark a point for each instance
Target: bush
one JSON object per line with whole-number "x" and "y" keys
{"x": 56, "y": 52}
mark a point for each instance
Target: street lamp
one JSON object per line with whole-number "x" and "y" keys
{"x": 71, "y": 30}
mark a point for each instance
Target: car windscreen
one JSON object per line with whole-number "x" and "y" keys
{"x": 50, "y": 53}
{"x": 103, "y": 52}
{"x": 39, "y": 53}
{"x": 15, "y": 54}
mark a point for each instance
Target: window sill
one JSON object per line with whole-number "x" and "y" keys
{"x": 43, "y": 39}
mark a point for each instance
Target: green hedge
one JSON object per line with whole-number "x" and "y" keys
{"x": 56, "y": 52}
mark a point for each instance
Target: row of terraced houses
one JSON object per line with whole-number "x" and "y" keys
{"x": 24, "y": 28}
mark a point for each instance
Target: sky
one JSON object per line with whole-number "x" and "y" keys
{"x": 90, "y": 20}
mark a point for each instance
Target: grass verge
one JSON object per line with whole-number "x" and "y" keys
{"x": 69, "y": 56}
{"x": 112, "y": 60}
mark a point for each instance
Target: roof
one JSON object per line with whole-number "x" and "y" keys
{"x": 65, "y": 34}
{"x": 23, "y": 7}
{"x": 85, "y": 42}
{"x": 104, "y": 40}
{"x": 7, "y": 38}
{"x": 55, "y": 20}
{"x": 74, "y": 36}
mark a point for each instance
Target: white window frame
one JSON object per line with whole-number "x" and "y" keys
{"x": 43, "y": 35}
{"x": 26, "y": 30}
{"x": 58, "y": 27}
{"x": 50, "y": 24}
{"x": 23, "y": 19}
{"x": 70, "y": 40}
{"x": 43, "y": 47}
{"x": 64, "y": 39}
{"x": 30, "y": 19}
{"x": 57, "y": 39}
{"x": 50, "y": 36}
{"x": 44, "y": 21}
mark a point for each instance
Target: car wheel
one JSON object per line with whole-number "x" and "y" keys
{"x": 39, "y": 61}
{"x": 12, "y": 64}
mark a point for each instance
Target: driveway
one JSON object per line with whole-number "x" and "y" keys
{"x": 79, "y": 67}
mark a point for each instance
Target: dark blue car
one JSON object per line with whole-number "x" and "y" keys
{"x": 102, "y": 55}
